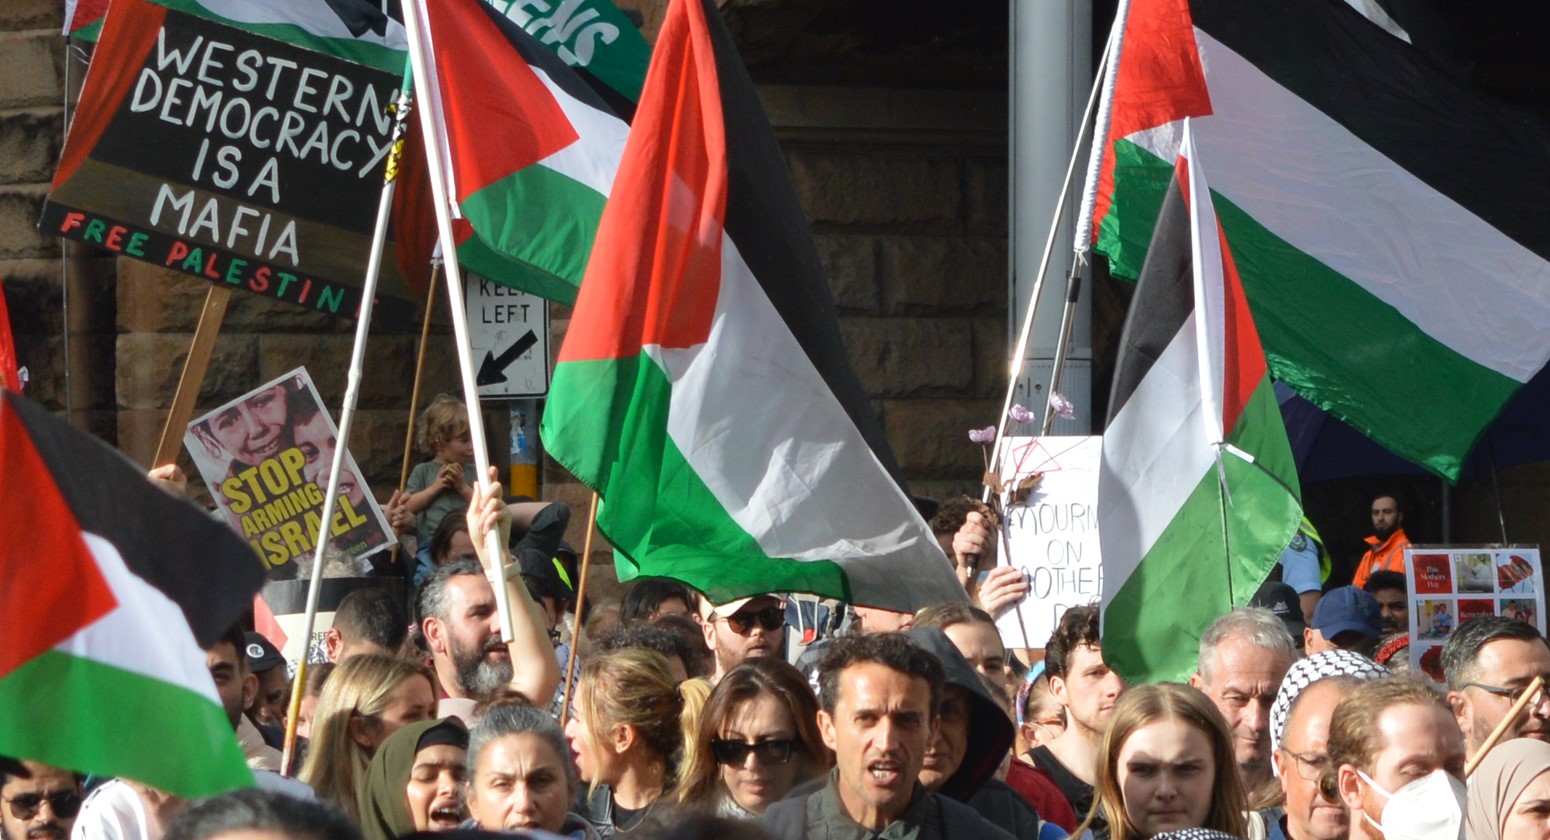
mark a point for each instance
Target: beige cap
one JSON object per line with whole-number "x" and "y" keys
{"x": 731, "y": 607}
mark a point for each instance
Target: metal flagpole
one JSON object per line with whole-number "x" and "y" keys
{"x": 347, "y": 412}
{"x": 454, "y": 278}
{"x": 1015, "y": 369}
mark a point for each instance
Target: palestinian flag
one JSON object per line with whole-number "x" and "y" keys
{"x": 1386, "y": 218}
{"x": 355, "y": 30}
{"x": 702, "y": 388}
{"x": 531, "y": 148}
{"x": 1196, "y": 483}
{"x": 111, "y": 592}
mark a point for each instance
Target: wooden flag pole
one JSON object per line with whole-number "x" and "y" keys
{"x": 194, "y": 367}
{"x": 1501, "y": 728}
{"x": 581, "y": 600}
{"x": 414, "y": 391}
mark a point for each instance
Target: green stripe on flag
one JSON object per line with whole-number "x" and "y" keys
{"x": 1152, "y": 627}
{"x": 72, "y": 712}
{"x": 1324, "y": 335}
{"x": 687, "y": 534}
{"x": 542, "y": 218}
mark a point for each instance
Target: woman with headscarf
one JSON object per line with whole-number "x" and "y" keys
{"x": 1509, "y": 794}
{"x": 415, "y": 781}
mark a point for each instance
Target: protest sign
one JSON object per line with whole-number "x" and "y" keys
{"x": 1052, "y": 534}
{"x": 250, "y": 162}
{"x": 266, "y": 457}
{"x": 287, "y": 601}
{"x": 1449, "y": 585}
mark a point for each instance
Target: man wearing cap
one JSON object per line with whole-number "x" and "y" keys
{"x": 743, "y": 629}
{"x": 1346, "y": 618}
{"x": 267, "y": 708}
{"x": 1282, "y": 599}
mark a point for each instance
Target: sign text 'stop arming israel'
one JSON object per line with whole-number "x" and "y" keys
{"x": 246, "y": 161}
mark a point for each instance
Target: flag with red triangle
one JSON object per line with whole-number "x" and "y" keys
{"x": 112, "y": 590}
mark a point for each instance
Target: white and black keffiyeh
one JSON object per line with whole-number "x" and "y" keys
{"x": 1195, "y": 834}
{"x": 1306, "y": 672}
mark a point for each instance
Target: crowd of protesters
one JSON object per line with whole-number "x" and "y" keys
{"x": 688, "y": 718}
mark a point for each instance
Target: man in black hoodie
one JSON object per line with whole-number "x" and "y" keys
{"x": 974, "y": 734}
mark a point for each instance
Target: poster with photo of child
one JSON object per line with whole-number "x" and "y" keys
{"x": 1450, "y": 585}
{"x": 265, "y": 457}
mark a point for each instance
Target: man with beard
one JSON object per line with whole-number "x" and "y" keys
{"x": 1244, "y": 655}
{"x": 40, "y": 802}
{"x": 1393, "y": 607}
{"x": 744, "y": 629}
{"x": 1386, "y": 547}
{"x": 1489, "y": 662}
{"x": 461, "y": 624}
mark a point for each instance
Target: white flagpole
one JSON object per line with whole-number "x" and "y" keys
{"x": 1026, "y": 333}
{"x": 433, "y": 151}
{"x": 351, "y": 396}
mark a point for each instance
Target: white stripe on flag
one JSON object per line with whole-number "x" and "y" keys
{"x": 1210, "y": 300}
{"x": 1289, "y": 165}
{"x": 1154, "y": 453}
{"x": 594, "y": 159}
{"x": 806, "y": 486}
{"x": 145, "y": 634}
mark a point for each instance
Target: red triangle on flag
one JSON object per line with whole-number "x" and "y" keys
{"x": 49, "y": 595}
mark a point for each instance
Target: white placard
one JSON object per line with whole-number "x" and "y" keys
{"x": 1052, "y": 535}
{"x": 509, "y": 334}
{"x": 1450, "y": 584}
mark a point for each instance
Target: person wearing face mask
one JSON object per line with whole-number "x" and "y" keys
{"x": 1509, "y": 794}
{"x": 415, "y": 781}
{"x": 1396, "y": 759}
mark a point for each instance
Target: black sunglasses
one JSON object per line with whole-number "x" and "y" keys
{"x": 765, "y": 752}
{"x": 770, "y": 618}
{"x": 64, "y": 803}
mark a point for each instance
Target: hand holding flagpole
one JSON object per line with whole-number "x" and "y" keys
{"x": 414, "y": 26}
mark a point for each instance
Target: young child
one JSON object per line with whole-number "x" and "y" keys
{"x": 440, "y": 486}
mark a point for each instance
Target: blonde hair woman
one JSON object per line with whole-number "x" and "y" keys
{"x": 1167, "y": 764}
{"x": 628, "y": 734}
{"x": 366, "y": 699}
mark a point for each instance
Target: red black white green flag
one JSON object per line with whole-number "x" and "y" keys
{"x": 111, "y": 591}
{"x": 1386, "y": 217}
{"x": 1197, "y": 484}
{"x": 702, "y": 388}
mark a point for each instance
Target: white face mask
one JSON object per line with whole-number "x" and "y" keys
{"x": 1429, "y": 808}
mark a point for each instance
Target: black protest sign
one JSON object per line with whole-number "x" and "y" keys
{"x": 247, "y": 161}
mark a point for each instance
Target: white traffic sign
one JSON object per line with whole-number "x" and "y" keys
{"x": 509, "y": 331}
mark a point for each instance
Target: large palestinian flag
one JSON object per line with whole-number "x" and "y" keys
{"x": 702, "y": 388}
{"x": 1387, "y": 220}
{"x": 111, "y": 591}
{"x": 1196, "y": 484}
{"x": 530, "y": 147}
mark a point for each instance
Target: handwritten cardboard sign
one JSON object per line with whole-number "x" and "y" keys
{"x": 266, "y": 457}
{"x": 1052, "y": 536}
{"x": 246, "y": 161}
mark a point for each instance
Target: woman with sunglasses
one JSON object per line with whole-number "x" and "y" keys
{"x": 758, "y": 738}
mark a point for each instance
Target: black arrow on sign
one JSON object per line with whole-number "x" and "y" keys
{"x": 492, "y": 371}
